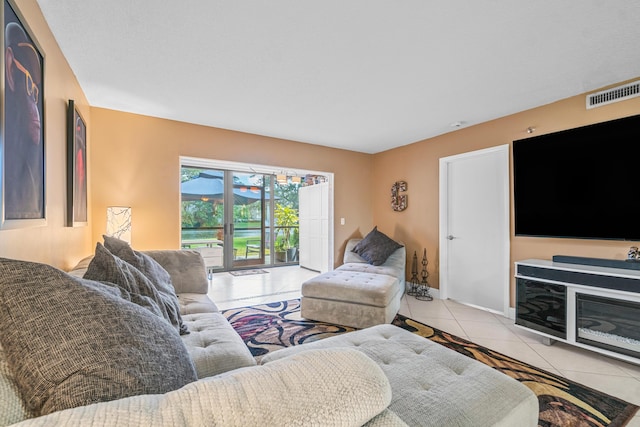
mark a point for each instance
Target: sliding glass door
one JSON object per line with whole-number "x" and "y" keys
{"x": 239, "y": 219}
{"x": 246, "y": 216}
{"x": 204, "y": 226}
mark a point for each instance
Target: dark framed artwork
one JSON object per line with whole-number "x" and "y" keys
{"x": 22, "y": 124}
{"x": 76, "y": 167}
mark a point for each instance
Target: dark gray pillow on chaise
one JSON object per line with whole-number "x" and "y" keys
{"x": 376, "y": 247}
{"x": 154, "y": 272}
{"x": 72, "y": 342}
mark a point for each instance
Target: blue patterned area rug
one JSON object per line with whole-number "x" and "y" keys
{"x": 269, "y": 327}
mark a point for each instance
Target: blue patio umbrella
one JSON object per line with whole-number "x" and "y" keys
{"x": 209, "y": 186}
{"x": 202, "y": 188}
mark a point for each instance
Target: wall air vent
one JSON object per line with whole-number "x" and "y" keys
{"x": 609, "y": 96}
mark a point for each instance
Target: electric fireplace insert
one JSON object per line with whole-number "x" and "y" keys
{"x": 608, "y": 323}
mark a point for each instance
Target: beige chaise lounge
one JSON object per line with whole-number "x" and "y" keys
{"x": 357, "y": 293}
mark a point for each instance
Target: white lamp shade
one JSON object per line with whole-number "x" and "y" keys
{"x": 119, "y": 223}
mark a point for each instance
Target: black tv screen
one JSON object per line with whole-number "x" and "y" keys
{"x": 580, "y": 183}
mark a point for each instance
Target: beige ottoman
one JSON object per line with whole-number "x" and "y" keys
{"x": 433, "y": 385}
{"x": 351, "y": 298}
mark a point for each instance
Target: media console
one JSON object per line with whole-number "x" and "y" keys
{"x": 589, "y": 306}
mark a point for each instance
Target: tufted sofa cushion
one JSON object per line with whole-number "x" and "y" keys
{"x": 368, "y": 268}
{"x": 365, "y": 288}
{"x": 393, "y": 266}
{"x": 213, "y": 345}
{"x": 433, "y": 385}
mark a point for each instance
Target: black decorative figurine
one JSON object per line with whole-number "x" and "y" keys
{"x": 419, "y": 289}
{"x": 423, "y": 289}
{"x": 413, "y": 291}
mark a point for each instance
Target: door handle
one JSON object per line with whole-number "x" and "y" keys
{"x": 450, "y": 237}
{"x": 231, "y": 229}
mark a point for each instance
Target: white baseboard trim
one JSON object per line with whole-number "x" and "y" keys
{"x": 435, "y": 293}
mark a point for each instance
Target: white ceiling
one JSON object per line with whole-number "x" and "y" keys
{"x": 364, "y": 75}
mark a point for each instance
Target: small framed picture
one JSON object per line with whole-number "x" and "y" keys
{"x": 76, "y": 167}
{"x": 22, "y": 125}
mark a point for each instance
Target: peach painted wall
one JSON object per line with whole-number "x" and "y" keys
{"x": 135, "y": 162}
{"x": 418, "y": 164}
{"x": 54, "y": 243}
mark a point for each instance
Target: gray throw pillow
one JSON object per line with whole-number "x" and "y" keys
{"x": 71, "y": 342}
{"x": 106, "y": 267}
{"x": 376, "y": 247}
{"x": 155, "y": 273}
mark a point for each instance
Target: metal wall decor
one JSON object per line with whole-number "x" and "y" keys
{"x": 398, "y": 201}
{"x": 419, "y": 287}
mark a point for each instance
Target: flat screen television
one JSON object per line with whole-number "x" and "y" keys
{"x": 580, "y": 183}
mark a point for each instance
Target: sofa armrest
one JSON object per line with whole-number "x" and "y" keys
{"x": 321, "y": 387}
{"x": 81, "y": 267}
{"x": 397, "y": 261}
{"x": 350, "y": 256}
{"x": 186, "y": 268}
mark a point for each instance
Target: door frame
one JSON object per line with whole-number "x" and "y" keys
{"x": 444, "y": 219}
{"x": 263, "y": 169}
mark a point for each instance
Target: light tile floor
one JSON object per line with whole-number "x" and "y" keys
{"x": 592, "y": 369}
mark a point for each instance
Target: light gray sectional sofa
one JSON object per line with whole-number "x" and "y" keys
{"x": 79, "y": 339}
{"x": 222, "y": 385}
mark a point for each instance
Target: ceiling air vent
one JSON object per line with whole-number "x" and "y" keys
{"x": 612, "y": 95}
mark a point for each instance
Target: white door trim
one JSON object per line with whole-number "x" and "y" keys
{"x": 444, "y": 219}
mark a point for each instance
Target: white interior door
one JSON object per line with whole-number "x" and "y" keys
{"x": 474, "y": 228}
